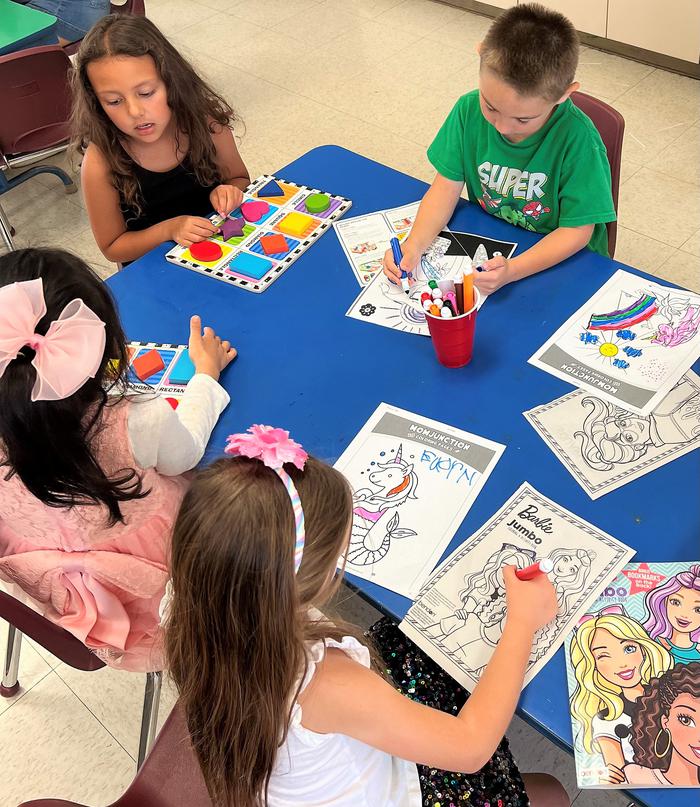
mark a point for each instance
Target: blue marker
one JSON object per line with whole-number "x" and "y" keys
{"x": 398, "y": 257}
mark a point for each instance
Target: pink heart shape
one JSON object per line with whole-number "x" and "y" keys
{"x": 254, "y": 211}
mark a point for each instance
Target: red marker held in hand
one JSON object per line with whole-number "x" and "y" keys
{"x": 530, "y": 572}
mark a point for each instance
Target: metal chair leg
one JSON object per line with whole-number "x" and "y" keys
{"x": 10, "y": 670}
{"x": 6, "y": 230}
{"x": 149, "y": 720}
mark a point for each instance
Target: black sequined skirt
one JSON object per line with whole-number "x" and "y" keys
{"x": 498, "y": 783}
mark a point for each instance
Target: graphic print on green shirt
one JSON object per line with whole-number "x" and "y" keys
{"x": 557, "y": 177}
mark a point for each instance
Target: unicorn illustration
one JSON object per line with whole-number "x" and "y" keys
{"x": 395, "y": 482}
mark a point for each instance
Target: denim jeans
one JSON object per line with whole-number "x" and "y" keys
{"x": 74, "y": 17}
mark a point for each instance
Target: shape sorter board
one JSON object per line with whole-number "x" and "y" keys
{"x": 244, "y": 261}
{"x": 156, "y": 367}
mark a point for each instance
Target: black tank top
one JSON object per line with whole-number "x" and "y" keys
{"x": 165, "y": 195}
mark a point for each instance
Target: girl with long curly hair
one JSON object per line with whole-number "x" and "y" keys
{"x": 666, "y": 730}
{"x": 159, "y": 152}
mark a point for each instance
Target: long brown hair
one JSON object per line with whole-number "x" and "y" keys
{"x": 196, "y": 107}
{"x": 239, "y": 619}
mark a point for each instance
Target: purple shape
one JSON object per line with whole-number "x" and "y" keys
{"x": 231, "y": 228}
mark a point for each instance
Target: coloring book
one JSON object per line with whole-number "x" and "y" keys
{"x": 604, "y": 446}
{"x": 459, "y": 614}
{"x": 633, "y": 671}
{"x": 277, "y": 222}
{"x": 414, "y": 480}
{"x": 629, "y": 344}
{"x": 383, "y": 303}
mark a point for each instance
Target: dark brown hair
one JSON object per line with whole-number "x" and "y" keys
{"x": 533, "y": 49}
{"x": 654, "y": 704}
{"x": 239, "y": 619}
{"x": 197, "y": 108}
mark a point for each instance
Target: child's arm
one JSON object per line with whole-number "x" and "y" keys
{"x": 346, "y": 698}
{"x": 435, "y": 211}
{"x": 228, "y": 196}
{"x": 116, "y": 243}
{"x": 553, "y": 248}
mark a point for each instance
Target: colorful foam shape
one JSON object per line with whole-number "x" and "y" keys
{"x": 271, "y": 189}
{"x": 173, "y": 402}
{"x": 183, "y": 370}
{"x": 252, "y": 266}
{"x": 254, "y": 211}
{"x": 148, "y": 364}
{"x": 272, "y": 244}
{"x": 206, "y": 251}
{"x": 295, "y": 224}
{"x": 317, "y": 202}
{"x": 231, "y": 228}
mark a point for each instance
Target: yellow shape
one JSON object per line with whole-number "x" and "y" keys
{"x": 608, "y": 349}
{"x": 225, "y": 252}
{"x": 296, "y": 224}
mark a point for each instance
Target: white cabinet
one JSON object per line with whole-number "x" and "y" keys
{"x": 672, "y": 27}
{"x": 588, "y": 17}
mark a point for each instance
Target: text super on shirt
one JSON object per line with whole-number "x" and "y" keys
{"x": 557, "y": 177}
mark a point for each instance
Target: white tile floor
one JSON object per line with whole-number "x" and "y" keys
{"x": 376, "y": 76}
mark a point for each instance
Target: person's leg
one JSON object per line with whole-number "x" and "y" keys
{"x": 544, "y": 790}
{"x": 74, "y": 17}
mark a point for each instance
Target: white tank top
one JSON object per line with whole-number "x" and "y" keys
{"x": 334, "y": 770}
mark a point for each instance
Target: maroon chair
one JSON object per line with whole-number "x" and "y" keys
{"x": 35, "y": 100}
{"x": 611, "y": 127}
{"x": 170, "y": 776}
{"x": 136, "y": 7}
{"x": 22, "y": 619}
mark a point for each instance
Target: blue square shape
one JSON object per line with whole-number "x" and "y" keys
{"x": 252, "y": 266}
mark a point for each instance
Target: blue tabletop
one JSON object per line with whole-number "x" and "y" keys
{"x": 304, "y": 366}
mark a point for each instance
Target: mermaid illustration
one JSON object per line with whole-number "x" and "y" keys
{"x": 370, "y": 539}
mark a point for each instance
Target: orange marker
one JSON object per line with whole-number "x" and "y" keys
{"x": 468, "y": 291}
{"x": 434, "y": 310}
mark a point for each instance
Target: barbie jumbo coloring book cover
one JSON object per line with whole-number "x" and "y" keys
{"x": 633, "y": 671}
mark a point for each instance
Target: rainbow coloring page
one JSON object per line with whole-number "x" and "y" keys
{"x": 633, "y": 672}
{"x": 414, "y": 480}
{"x": 629, "y": 344}
{"x": 604, "y": 446}
{"x": 459, "y": 615}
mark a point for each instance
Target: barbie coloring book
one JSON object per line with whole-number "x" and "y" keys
{"x": 633, "y": 670}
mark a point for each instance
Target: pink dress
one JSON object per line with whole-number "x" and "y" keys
{"x": 102, "y": 583}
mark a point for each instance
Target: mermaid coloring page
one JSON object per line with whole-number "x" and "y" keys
{"x": 413, "y": 481}
{"x": 629, "y": 344}
{"x": 459, "y": 615}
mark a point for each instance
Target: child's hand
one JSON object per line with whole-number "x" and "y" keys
{"x": 530, "y": 604}
{"x": 225, "y": 198}
{"x": 187, "y": 230}
{"x": 408, "y": 263}
{"x": 208, "y": 353}
{"x": 494, "y": 274}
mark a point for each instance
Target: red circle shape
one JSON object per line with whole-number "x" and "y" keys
{"x": 206, "y": 251}
{"x": 173, "y": 402}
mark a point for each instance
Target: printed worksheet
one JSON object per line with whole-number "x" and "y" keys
{"x": 629, "y": 344}
{"x": 414, "y": 480}
{"x": 459, "y": 615}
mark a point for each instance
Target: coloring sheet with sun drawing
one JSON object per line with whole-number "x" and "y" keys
{"x": 633, "y": 671}
{"x": 459, "y": 615}
{"x": 413, "y": 481}
{"x": 629, "y": 344}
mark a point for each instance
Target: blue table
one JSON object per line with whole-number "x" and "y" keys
{"x": 304, "y": 366}
{"x": 22, "y": 27}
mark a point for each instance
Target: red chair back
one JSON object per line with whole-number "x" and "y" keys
{"x": 611, "y": 127}
{"x": 49, "y": 635}
{"x": 35, "y": 99}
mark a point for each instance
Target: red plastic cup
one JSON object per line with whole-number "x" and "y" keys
{"x": 453, "y": 339}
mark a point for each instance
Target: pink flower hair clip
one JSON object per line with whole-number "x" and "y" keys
{"x": 273, "y": 447}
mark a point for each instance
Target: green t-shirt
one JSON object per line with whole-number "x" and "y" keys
{"x": 557, "y": 177}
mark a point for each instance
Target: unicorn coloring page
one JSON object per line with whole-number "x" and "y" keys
{"x": 459, "y": 615}
{"x": 629, "y": 344}
{"x": 414, "y": 480}
{"x": 604, "y": 446}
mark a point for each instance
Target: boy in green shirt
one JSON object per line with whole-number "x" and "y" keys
{"x": 524, "y": 151}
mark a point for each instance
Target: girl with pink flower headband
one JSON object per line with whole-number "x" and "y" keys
{"x": 90, "y": 483}
{"x": 281, "y": 700}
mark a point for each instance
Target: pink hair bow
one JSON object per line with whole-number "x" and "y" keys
{"x": 66, "y": 356}
{"x": 273, "y": 447}
{"x": 609, "y": 610}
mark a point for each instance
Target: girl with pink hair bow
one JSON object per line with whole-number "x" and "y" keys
{"x": 91, "y": 482}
